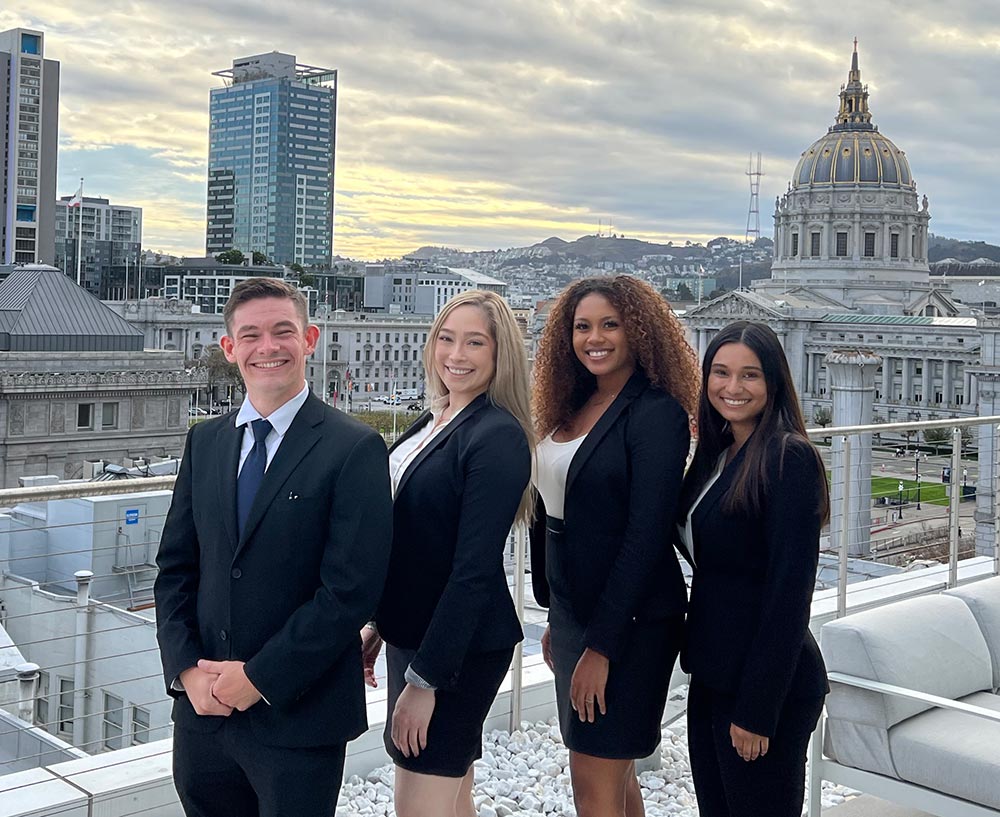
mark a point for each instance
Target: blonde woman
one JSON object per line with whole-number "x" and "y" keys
{"x": 460, "y": 479}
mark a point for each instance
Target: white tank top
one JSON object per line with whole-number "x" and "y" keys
{"x": 551, "y": 467}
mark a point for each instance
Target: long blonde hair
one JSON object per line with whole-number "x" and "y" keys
{"x": 510, "y": 387}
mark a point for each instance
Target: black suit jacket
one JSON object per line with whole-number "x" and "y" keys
{"x": 748, "y": 618}
{"x": 621, "y": 500}
{"x": 446, "y": 594}
{"x": 290, "y": 596}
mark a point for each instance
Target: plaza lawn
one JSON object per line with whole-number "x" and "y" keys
{"x": 933, "y": 492}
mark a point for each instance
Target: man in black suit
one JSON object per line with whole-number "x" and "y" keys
{"x": 273, "y": 555}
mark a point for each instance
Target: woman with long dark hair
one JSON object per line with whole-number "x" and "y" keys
{"x": 615, "y": 383}
{"x": 753, "y": 502}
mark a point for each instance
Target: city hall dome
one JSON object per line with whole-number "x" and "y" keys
{"x": 853, "y": 152}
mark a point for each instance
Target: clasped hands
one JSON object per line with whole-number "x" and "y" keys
{"x": 219, "y": 687}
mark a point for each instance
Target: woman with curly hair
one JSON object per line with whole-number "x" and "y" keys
{"x": 615, "y": 384}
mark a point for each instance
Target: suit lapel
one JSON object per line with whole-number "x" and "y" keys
{"x": 442, "y": 435}
{"x": 718, "y": 490}
{"x": 632, "y": 389}
{"x": 228, "y": 463}
{"x": 301, "y": 436}
{"x": 422, "y": 418}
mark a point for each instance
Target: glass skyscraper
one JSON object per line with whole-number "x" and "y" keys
{"x": 272, "y": 150}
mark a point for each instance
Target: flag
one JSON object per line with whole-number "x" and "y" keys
{"x": 77, "y": 199}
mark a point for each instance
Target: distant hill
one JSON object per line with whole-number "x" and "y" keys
{"x": 939, "y": 248}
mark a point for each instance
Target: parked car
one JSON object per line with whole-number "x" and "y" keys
{"x": 197, "y": 412}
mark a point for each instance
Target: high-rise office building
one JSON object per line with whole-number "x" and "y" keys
{"x": 272, "y": 146}
{"x": 29, "y": 130}
{"x": 110, "y": 265}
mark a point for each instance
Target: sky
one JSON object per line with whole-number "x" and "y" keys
{"x": 484, "y": 125}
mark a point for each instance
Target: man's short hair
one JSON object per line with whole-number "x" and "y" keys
{"x": 253, "y": 288}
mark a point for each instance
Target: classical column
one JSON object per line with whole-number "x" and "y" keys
{"x": 947, "y": 383}
{"x": 702, "y": 343}
{"x": 907, "y": 378}
{"x": 987, "y": 377}
{"x": 928, "y": 382}
{"x": 852, "y": 384}
{"x": 810, "y": 384}
{"x": 888, "y": 367}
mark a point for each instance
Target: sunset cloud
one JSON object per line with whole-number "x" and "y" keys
{"x": 480, "y": 124}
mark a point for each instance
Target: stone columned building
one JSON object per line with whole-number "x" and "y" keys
{"x": 77, "y": 388}
{"x": 850, "y": 271}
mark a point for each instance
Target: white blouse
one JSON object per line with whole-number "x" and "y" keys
{"x": 403, "y": 455}
{"x": 551, "y": 467}
{"x": 687, "y": 534}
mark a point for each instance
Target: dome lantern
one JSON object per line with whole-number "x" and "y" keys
{"x": 852, "y": 152}
{"x": 854, "y": 113}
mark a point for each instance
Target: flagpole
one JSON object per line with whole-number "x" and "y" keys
{"x": 79, "y": 240}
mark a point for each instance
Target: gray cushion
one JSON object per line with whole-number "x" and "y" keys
{"x": 931, "y": 644}
{"x": 983, "y": 598}
{"x": 951, "y": 752}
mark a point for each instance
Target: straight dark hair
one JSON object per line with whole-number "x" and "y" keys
{"x": 779, "y": 426}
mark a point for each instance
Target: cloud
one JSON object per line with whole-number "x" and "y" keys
{"x": 480, "y": 124}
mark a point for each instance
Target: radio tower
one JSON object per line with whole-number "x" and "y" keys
{"x": 753, "y": 214}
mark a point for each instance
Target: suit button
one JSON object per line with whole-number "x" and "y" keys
{"x": 223, "y": 635}
{"x": 236, "y": 573}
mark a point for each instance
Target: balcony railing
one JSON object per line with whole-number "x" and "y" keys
{"x": 87, "y": 722}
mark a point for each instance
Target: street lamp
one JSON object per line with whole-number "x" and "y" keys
{"x": 916, "y": 468}
{"x": 900, "y": 515}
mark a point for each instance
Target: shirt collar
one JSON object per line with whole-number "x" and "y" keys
{"x": 281, "y": 418}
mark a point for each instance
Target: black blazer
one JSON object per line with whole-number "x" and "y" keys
{"x": 446, "y": 595}
{"x": 291, "y": 595}
{"x": 621, "y": 500}
{"x": 748, "y": 619}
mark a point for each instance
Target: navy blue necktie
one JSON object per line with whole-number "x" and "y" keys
{"x": 252, "y": 473}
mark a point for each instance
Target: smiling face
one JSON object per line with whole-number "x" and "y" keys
{"x": 465, "y": 354}
{"x": 736, "y": 388}
{"x": 270, "y": 345}
{"x": 599, "y": 339}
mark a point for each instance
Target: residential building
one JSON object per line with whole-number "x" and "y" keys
{"x": 271, "y": 161}
{"x": 413, "y": 288}
{"x": 29, "y": 131}
{"x": 111, "y": 243}
{"x": 207, "y": 283}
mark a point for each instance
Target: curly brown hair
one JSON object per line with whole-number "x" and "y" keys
{"x": 656, "y": 338}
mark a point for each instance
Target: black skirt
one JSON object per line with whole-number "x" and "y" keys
{"x": 636, "y": 692}
{"x": 455, "y": 733}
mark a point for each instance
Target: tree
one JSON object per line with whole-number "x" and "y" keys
{"x": 822, "y": 416}
{"x": 936, "y": 436}
{"x": 231, "y": 257}
{"x": 717, "y": 293}
{"x": 684, "y": 293}
{"x": 260, "y": 260}
{"x": 219, "y": 371}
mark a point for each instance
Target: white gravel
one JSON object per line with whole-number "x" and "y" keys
{"x": 527, "y": 774}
